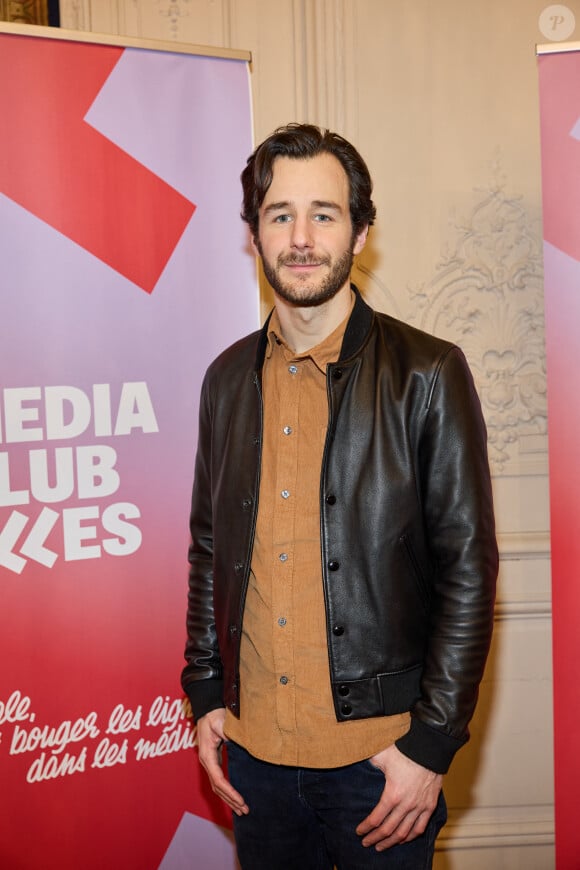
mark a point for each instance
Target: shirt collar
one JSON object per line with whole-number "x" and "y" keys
{"x": 321, "y": 354}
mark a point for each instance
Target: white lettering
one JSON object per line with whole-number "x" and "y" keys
{"x": 8, "y": 536}
{"x": 64, "y": 476}
{"x": 7, "y": 495}
{"x": 129, "y": 536}
{"x": 15, "y": 709}
{"x": 55, "y": 738}
{"x": 96, "y": 474}
{"x": 121, "y": 720}
{"x": 102, "y": 409}
{"x": 33, "y": 546}
{"x": 43, "y": 769}
{"x": 16, "y": 415}
{"x": 63, "y": 411}
{"x": 108, "y": 754}
{"x": 55, "y": 401}
{"x": 80, "y": 537}
{"x": 135, "y": 410}
{"x": 75, "y": 533}
{"x": 166, "y": 712}
{"x": 184, "y": 737}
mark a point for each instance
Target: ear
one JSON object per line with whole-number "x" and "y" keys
{"x": 255, "y": 243}
{"x": 360, "y": 240}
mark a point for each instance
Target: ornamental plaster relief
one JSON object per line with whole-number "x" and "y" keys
{"x": 486, "y": 294}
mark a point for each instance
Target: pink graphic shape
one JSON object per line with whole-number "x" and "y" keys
{"x": 69, "y": 175}
{"x": 197, "y": 840}
{"x": 561, "y": 151}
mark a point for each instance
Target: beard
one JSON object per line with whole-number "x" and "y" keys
{"x": 302, "y": 291}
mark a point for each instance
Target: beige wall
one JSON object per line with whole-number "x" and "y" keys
{"x": 441, "y": 98}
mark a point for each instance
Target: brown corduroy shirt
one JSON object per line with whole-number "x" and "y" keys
{"x": 286, "y": 708}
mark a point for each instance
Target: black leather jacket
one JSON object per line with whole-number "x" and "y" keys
{"x": 409, "y": 557}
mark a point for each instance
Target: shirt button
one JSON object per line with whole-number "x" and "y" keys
{"x": 338, "y": 630}
{"x": 285, "y": 493}
{"x": 333, "y": 565}
{"x": 284, "y": 680}
{"x": 345, "y": 709}
{"x": 282, "y": 621}
{"x": 292, "y": 369}
{"x": 283, "y": 557}
{"x": 287, "y": 430}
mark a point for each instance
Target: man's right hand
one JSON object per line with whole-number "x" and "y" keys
{"x": 210, "y": 737}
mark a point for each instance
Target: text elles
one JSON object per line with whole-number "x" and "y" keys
{"x": 55, "y": 475}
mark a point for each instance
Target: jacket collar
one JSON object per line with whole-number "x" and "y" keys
{"x": 357, "y": 330}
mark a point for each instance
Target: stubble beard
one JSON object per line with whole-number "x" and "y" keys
{"x": 303, "y": 292}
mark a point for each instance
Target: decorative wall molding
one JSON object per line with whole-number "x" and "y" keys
{"x": 174, "y": 12}
{"x": 533, "y": 602}
{"x": 324, "y": 59}
{"x": 169, "y": 20}
{"x": 524, "y": 545}
{"x": 227, "y": 23}
{"x": 75, "y": 14}
{"x": 522, "y": 610}
{"x": 487, "y": 294}
{"x": 499, "y": 828}
{"x": 24, "y": 12}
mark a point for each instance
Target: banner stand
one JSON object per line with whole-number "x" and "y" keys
{"x": 559, "y": 80}
{"x": 125, "y": 270}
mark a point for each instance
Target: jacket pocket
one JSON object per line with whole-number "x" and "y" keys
{"x": 413, "y": 562}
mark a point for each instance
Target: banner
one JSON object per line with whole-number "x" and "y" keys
{"x": 560, "y": 130}
{"x": 125, "y": 270}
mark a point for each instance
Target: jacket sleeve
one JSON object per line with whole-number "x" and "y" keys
{"x": 202, "y": 676}
{"x": 455, "y": 491}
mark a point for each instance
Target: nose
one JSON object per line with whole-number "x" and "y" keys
{"x": 301, "y": 233}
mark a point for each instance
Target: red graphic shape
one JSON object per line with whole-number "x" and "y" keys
{"x": 68, "y": 174}
{"x": 560, "y": 151}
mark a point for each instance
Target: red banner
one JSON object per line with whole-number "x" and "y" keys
{"x": 560, "y": 128}
{"x": 125, "y": 269}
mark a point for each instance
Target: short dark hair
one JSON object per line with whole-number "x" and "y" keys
{"x": 301, "y": 141}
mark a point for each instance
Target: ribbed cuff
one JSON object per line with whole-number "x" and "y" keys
{"x": 429, "y": 747}
{"x": 204, "y": 695}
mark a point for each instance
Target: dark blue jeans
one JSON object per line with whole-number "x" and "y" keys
{"x": 305, "y": 819}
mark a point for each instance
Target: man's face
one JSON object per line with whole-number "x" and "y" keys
{"x": 305, "y": 234}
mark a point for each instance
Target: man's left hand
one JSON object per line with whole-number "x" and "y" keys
{"x": 407, "y": 802}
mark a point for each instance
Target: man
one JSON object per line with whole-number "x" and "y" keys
{"x": 343, "y": 557}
